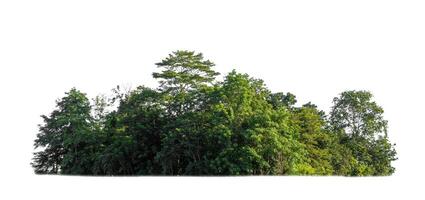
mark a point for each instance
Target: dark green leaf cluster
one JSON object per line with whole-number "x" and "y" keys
{"x": 195, "y": 125}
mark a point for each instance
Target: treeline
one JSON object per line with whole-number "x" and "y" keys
{"x": 193, "y": 124}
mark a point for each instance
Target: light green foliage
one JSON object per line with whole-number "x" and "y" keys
{"x": 184, "y": 70}
{"x": 311, "y": 126}
{"x": 357, "y": 115}
{"x": 364, "y": 133}
{"x": 193, "y": 125}
{"x": 184, "y": 74}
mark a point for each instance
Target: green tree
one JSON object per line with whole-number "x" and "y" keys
{"x": 184, "y": 70}
{"x": 260, "y": 139}
{"x": 317, "y": 140}
{"x": 132, "y": 135}
{"x": 64, "y": 138}
{"x": 184, "y": 81}
{"x": 365, "y": 132}
{"x": 183, "y": 73}
{"x": 357, "y": 115}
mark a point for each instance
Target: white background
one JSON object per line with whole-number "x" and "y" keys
{"x": 314, "y": 49}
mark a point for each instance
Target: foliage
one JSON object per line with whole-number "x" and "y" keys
{"x": 364, "y": 133}
{"x": 66, "y": 137}
{"x": 194, "y": 125}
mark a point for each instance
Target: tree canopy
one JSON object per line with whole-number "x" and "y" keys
{"x": 193, "y": 124}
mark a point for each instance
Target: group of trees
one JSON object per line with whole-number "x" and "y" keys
{"x": 194, "y": 125}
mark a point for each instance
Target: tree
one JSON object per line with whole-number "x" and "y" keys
{"x": 184, "y": 72}
{"x": 260, "y": 140}
{"x": 364, "y": 132}
{"x": 64, "y": 136}
{"x": 185, "y": 82}
{"x": 311, "y": 125}
{"x": 357, "y": 115}
{"x": 132, "y": 135}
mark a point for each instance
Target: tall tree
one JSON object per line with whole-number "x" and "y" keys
{"x": 184, "y": 70}
{"x": 185, "y": 82}
{"x": 260, "y": 140}
{"x": 63, "y": 135}
{"x": 365, "y": 132}
{"x": 358, "y": 115}
{"x": 183, "y": 73}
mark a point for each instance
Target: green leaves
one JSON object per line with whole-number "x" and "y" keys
{"x": 64, "y": 136}
{"x": 184, "y": 70}
{"x": 357, "y": 115}
{"x": 194, "y": 125}
{"x": 364, "y": 133}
